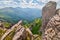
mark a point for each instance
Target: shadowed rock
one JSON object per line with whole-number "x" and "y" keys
{"x": 20, "y": 32}
{"x": 9, "y": 30}
{"x": 47, "y": 12}
{"x": 52, "y": 27}
{"x": 52, "y": 30}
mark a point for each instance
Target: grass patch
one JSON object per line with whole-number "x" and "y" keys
{"x": 6, "y": 24}
{"x": 1, "y": 32}
{"x": 10, "y": 36}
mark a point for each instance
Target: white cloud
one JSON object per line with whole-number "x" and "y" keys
{"x": 24, "y": 4}
{"x": 30, "y": 5}
{"x": 45, "y": 1}
{"x": 8, "y": 4}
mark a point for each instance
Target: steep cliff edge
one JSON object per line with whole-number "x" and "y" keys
{"x": 52, "y": 27}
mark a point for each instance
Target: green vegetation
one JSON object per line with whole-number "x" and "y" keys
{"x": 10, "y": 36}
{"x": 6, "y": 24}
{"x": 26, "y": 24}
{"x": 1, "y": 32}
{"x": 34, "y": 25}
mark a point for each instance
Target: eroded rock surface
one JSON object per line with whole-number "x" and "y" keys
{"x": 47, "y": 12}
{"x": 52, "y": 28}
{"x": 20, "y": 32}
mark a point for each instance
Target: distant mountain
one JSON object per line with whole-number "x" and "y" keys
{"x": 16, "y": 14}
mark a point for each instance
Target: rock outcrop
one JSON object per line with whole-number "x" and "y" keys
{"x": 52, "y": 27}
{"x": 47, "y": 12}
{"x": 52, "y": 30}
{"x": 20, "y": 33}
{"x": 18, "y": 28}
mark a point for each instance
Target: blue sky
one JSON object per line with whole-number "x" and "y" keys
{"x": 26, "y": 3}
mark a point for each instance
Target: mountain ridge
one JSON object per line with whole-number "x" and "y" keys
{"x": 20, "y": 13}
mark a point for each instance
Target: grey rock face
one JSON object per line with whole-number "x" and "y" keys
{"x": 52, "y": 26}
{"x": 47, "y": 12}
{"x": 52, "y": 30}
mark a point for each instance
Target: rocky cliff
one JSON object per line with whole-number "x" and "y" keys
{"x": 51, "y": 22}
{"x": 20, "y": 33}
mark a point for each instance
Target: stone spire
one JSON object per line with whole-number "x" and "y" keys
{"x": 47, "y": 12}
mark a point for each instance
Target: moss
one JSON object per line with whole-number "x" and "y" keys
{"x": 1, "y": 32}
{"x": 10, "y": 36}
{"x": 6, "y": 24}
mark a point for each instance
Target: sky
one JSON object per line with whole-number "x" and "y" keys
{"x": 26, "y": 3}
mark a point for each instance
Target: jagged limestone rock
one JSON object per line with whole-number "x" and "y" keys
{"x": 20, "y": 33}
{"x": 52, "y": 30}
{"x": 47, "y": 12}
{"x": 51, "y": 22}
